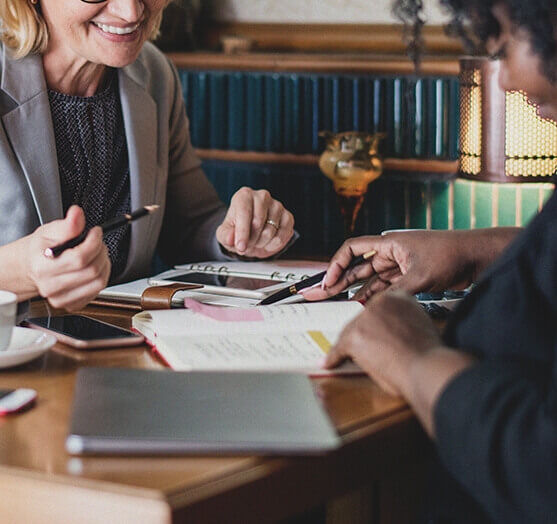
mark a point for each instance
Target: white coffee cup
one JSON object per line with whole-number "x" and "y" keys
{"x": 8, "y": 310}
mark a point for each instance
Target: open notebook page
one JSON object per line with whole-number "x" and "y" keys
{"x": 279, "y": 318}
{"x": 288, "y": 352}
{"x": 288, "y": 338}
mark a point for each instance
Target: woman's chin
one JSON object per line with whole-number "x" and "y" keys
{"x": 119, "y": 60}
{"x": 117, "y": 50}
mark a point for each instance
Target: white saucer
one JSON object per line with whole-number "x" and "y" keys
{"x": 26, "y": 344}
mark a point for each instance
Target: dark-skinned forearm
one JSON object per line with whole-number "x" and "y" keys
{"x": 426, "y": 377}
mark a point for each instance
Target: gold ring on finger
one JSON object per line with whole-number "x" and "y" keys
{"x": 273, "y": 223}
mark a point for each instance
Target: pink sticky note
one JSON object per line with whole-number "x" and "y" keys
{"x": 224, "y": 314}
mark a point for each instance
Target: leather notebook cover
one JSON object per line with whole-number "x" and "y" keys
{"x": 152, "y": 297}
{"x": 131, "y": 411}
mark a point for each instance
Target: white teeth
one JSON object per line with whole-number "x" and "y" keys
{"x": 116, "y": 30}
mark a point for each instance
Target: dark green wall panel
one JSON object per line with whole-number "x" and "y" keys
{"x": 506, "y": 212}
{"x": 440, "y": 203}
{"x": 483, "y": 204}
{"x": 391, "y": 202}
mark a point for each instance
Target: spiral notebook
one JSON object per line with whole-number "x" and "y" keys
{"x": 276, "y": 270}
{"x": 280, "y": 270}
{"x": 129, "y": 294}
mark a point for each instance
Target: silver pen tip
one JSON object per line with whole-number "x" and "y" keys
{"x": 152, "y": 208}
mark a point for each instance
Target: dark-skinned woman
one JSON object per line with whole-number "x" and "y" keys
{"x": 486, "y": 391}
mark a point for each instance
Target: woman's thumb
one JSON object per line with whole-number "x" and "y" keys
{"x": 66, "y": 229}
{"x": 75, "y": 219}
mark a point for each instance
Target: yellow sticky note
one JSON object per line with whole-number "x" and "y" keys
{"x": 320, "y": 340}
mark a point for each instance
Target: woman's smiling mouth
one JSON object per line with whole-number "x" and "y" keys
{"x": 114, "y": 30}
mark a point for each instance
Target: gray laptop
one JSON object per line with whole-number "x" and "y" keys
{"x": 131, "y": 411}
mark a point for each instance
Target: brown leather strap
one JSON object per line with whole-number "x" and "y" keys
{"x": 160, "y": 297}
{"x": 115, "y": 304}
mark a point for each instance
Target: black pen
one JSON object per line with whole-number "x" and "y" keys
{"x": 311, "y": 281}
{"x": 110, "y": 225}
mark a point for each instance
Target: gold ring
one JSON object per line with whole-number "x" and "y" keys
{"x": 273, "y": 223}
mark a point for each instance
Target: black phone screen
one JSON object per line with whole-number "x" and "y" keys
{"x": 223, "y": 280}
{"x": 5, "y": 392}
{"x": 80, "y": 327}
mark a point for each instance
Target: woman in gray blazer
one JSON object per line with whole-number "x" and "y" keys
{"x": 94, "y": 125}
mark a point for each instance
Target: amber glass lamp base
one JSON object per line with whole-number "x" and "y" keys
{"x": 351, "y": 161}
{"x": 350, "y": 203}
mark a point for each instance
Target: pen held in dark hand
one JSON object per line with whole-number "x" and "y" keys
{"x": 311, "y": 281}
{"x": 110, "y": 225}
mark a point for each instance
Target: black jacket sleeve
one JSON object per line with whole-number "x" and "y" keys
{"x": 496, "y": 428}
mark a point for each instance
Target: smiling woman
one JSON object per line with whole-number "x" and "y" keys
{"x": 80, "y": 34}
{"x": 95, "y": 125}
{"x": 26, "y": 31}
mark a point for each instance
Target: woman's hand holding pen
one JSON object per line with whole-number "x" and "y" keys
{"x": 73, "y": 279}
{"x": 256, "y": 225}
{"x": 414, "y": 261}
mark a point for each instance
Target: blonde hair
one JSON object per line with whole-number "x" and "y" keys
{"x": 24, "y": 31}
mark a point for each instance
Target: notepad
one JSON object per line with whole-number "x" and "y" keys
{"x": 281, "y": 270}
{"x": 278, "y": 270}
{"x": 291, "y": 337}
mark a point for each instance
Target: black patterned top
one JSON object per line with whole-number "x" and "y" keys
{"x": 93, "y": 161}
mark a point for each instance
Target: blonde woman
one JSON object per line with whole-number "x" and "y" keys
{"x": 94, "y": 126}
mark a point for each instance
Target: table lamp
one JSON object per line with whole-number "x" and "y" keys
{"x": 502, "y": 138}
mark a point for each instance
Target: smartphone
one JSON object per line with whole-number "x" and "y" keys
{"x": 222, "y": 284}
{"x": 85, "y": 333}
{"x": 14, "y": 400}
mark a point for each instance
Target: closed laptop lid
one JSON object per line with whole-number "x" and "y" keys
{"x": 130, "y": 411}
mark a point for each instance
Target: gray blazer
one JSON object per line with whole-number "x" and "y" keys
{"x": 163, "y": 166}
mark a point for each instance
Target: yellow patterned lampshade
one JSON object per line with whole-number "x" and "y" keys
{"x": 502, "y": 138}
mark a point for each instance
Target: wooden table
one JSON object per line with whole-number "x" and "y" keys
{"x": 376, "y": 474}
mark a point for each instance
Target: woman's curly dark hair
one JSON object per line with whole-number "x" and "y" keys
{"x": 473, "y": 21}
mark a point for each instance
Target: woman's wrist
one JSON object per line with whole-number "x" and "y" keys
{"x": 15, "y": 275}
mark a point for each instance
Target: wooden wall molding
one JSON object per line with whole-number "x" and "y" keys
{"x": 323, "y": 48}
{"x": 333, "y": 63}
{"x": 378, "y": 38}
{"x": 390, "y": 164}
